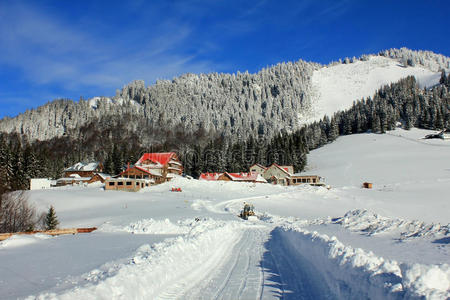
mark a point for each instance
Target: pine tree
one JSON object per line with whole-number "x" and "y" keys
{"x": 51, "y": 221}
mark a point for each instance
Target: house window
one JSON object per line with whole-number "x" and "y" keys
{"x": 128, "y": 182}
{"x": 120, "y": 183}
{"x": 111, "y": 183}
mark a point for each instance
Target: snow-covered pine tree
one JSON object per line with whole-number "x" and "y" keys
{"x": 51, "y": 221}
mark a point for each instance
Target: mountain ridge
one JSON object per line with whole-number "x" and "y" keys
{"x": 238, "y": 105}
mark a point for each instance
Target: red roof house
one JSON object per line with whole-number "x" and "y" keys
{"x": 242, "y": 177}
{"x": 209, "y": 176}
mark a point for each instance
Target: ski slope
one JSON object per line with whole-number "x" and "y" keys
{"x": 336, "y": 87}
{"x": 391, "y": 242}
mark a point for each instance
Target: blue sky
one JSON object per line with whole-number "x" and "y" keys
{"x": 68, "y": 49}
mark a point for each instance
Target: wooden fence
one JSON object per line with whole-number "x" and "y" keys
{"x": 4, "y": 236}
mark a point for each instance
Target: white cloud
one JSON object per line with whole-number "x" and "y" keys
{"x": 49, "y": 50}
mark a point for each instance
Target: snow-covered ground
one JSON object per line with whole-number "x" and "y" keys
{"x": 390, "y": 242}
{"x": 336, "y": 87}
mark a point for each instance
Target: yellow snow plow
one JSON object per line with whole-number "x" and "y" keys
{"x": 247, "y": 211}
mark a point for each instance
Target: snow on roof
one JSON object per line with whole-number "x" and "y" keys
{"x": 157, "y": 158}
{"x": 175, "y": 162}
{"x": 285, "y": 169}
{"x": 304, "y": 175}
{"x": 83, "y": 166}
{"x": 252, "y": 176}
{"x": 155, "y": 172}
{"x": 103, "y": 175}
{"x": 70, "y": 179}
{"x": 209, "y": 176}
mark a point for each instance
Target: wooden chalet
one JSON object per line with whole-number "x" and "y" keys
{"x": 137, "y": 172}
{"x": 73, "y": 179}
{"x": 257, "y": 168}
{"x": 84, "y": 169}
{"x": 168, "y": 163}
{"x": 99, "y": 177}
{"x": 151, "y": 168}
{"x": 284, "y": 175}
{"x": 126, "y": 184}
{"x": 278, "y": 174}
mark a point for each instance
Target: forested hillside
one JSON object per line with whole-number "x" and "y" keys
{"x": 401, "y": 102}
{"x": 235, "y": 106}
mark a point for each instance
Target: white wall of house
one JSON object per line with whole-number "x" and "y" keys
{"x": 257, "y": 169}
{"x": 39, "y": 183}
{"x": 274, "y": 171}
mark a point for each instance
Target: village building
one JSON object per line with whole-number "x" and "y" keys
{"x": 285, "y": 175}
{"x": 73, "y": 179}
{"x": 84, "y": 169}
{"x": 127, "y": 184}
{"x": 137, "y": 172}
{"x": 40, "y": 183}
{"x": 257, "y": 168}
{"x": 209, "y": 176}
{"x": 278, "y": 174}
{"x": 242, "y": 177}
{"x": 99, "y": 177}
{"x": 298, "y": 178}
{"x": 151, "y": 168}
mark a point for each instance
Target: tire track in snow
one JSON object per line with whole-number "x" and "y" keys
{"x": 239, "y": 277}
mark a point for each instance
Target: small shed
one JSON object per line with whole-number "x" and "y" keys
{"x": 40, "y": 183}
{"x": 367, "y": 185}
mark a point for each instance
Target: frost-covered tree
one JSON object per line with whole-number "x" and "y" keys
{"x": 51, "y": 221}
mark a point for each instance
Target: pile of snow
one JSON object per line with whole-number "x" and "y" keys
{"x": 23, "y": 240}
{"x": 153, "y": 268}
{"x": 336, "y": 87}
{"x": 151, "y": 226}
{"x": 358, "y": 274}
{"x": 370, "y": 223}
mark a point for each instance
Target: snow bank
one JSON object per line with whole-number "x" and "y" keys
{"x": 23, "y": 240}
{"x": 356, "y": 274}
{"x": 152, "y": 269}
{"x": 151, "y": 226}
{"x": 371, "y": 223}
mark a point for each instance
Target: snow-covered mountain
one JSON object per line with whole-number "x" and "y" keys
{"x": 281, "y": 97}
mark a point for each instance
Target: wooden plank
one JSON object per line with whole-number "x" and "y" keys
{"x": 4, "y": 236}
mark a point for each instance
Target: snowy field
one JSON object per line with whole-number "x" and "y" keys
{"x": 389, "y": 242}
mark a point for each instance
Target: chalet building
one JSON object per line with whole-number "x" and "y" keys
{"x": 73, "y": 179}
{"x": 278, "y": 174}
{"x": 126, "y": 184}
{"x": 242, "y": 177}
{"x": 284, "y": 175}
{"x": 136, "y": 172}
{"x": 298, "y": 178}
{"x": 159, "y": 167}
{"x": 209, "y": 176}
{"x": 257, "y": 168}
{"x": 99, "y": 177}
{"x": 151, "y": 168}
{"x": 84, "y": 169}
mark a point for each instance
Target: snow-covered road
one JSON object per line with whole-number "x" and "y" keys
{"x": 260, "y": 265}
